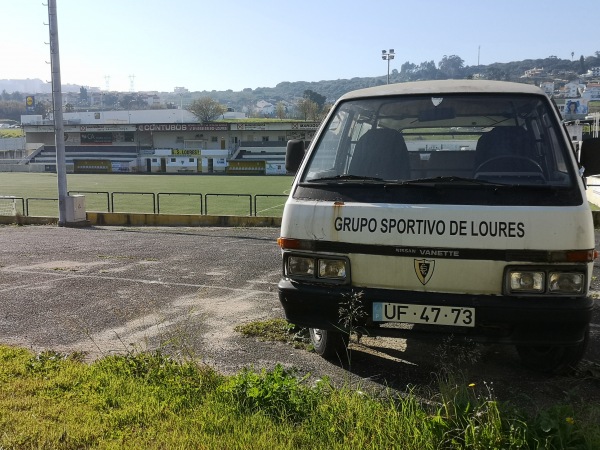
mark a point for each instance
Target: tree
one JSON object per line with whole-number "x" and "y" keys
{"x": 426, "y": 71}
{"x": 326, "y": 108}
{"x": 582, "y": 68}
{"x": 206, "y": 109}
{"x": 407, "y": 68}
{"x": 280, "y": 110}
{"x": 127, "y": 101}
{"x": 83, "y": 96}
{"x": 11, "y": 109}
{"x": 110, "y": 100}
{"x": 17, "y": 96}
{"x": 140, "y": 101}
{"x": 317, "y": 98}
{"x": 43, "y": 108}
{"x": 494, "y": 73}
{"x": 308, "y": 109}
{"x": 451, "y": 66}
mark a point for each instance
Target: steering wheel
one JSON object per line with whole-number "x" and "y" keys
{"x": 533, "y": 165}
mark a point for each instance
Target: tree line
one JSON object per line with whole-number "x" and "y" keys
{"x": 310, "y": 100}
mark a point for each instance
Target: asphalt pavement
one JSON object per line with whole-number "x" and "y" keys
{"x": 106, "y": 290}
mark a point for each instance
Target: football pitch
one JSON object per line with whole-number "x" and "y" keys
{"x": 165, "y": 194}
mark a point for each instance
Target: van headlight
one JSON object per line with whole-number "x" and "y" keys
{"x": 566, "y": 282}
{"x": 332, "y": 268}
{"x": 526, "y": 281}
{"x": 300, "y": 266}
{"x": 317, "y": 268}
{"x": 523, "y": 281}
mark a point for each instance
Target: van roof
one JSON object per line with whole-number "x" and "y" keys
{"x": 445, "y": 87}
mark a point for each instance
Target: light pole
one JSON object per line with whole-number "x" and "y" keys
{"x": 181, "y": 106}
{"x": 386, "y": 56}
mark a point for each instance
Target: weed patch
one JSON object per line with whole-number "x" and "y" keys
{"x": 276, "y": 330}
{"x": 279, "y": 393}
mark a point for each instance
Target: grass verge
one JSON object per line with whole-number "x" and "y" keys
{"x": 148, "y": 400}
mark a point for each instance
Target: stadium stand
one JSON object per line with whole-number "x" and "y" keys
{"x": 116, "y": 153}
{"x": 271, "y": 152}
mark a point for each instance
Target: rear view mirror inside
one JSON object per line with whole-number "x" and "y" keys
{"x": 434, "y": 114}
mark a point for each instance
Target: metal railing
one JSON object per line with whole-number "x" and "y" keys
{"x": 36, "y": 199}
{"x": 255, "y": 204}
{"x": 177, "y": 193}
{"x": 206, "y": 196}
{"x": 257, "y": 196}
{"x": 112, "y": 199}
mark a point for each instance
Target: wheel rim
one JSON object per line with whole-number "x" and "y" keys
{"x": 317, "y": 335}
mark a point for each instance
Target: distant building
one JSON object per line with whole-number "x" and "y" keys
{"x": 264, "y": 108}
{"x": 548, "y": 88}
{"x": 534, "y": 73}
{"x": 594, "y": 72}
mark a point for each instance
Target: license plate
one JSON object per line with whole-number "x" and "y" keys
{"x": 426, "y": 314}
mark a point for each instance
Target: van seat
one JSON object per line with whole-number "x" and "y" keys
{"x": 381, "y": 153}
{"x": 505, "y": 141}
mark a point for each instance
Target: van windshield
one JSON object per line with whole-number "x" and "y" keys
{"x": 477, "y": 139}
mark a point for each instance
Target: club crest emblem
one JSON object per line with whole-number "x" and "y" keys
{"x": 424, "y": 269}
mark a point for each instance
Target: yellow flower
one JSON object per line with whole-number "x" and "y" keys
{"x": 570, "y": 420}
{"x": 472, "y": 385}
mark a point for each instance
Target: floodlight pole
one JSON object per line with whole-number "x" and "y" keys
{"x": 59, "y": 134}
{"x": 386, "y": 56}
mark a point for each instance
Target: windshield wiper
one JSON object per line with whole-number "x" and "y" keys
{"x": 453, "y": 180}
{"x": 435, "y": 182}
{"x": 346, "y": 177}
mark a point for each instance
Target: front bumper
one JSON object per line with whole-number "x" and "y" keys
{"x": 500, "y": 319}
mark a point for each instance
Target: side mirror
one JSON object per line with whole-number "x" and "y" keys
{"x": 589, "y": 156}
{"x": 294, "y": 154}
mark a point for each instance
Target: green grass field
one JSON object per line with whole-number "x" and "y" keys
{"x": 11, "y": 132}
{"x": 166, "y": 194}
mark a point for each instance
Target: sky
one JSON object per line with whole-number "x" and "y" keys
{"x": 151, "y": 45}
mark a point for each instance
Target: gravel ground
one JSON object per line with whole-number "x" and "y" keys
{"x": 105, "y": 290}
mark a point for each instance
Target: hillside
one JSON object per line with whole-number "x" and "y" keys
{"x": 450, "y": 67}
{"x": 554, "y": 69}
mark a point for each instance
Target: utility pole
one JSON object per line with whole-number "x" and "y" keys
{"x": 59, "y": 134}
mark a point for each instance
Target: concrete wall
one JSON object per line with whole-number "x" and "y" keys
{"x": 30, "y": 168}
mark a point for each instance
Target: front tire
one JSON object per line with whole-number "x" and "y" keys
{"x": 329, "y": 344}
{"x": 556, "y": 360}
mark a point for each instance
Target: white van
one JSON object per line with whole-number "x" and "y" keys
{"x": 448, "y": 207}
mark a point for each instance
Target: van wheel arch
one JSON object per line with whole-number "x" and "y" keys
{"x": 555, "y": 360}
{"x": 329, "y": 344}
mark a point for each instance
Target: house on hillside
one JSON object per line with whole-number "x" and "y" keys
{"x": 534, "y": 73}
{"x": 264, "y": 108}
{"x": 548, "y": 88}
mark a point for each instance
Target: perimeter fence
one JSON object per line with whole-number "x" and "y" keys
{"x": 161, "y": 203}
